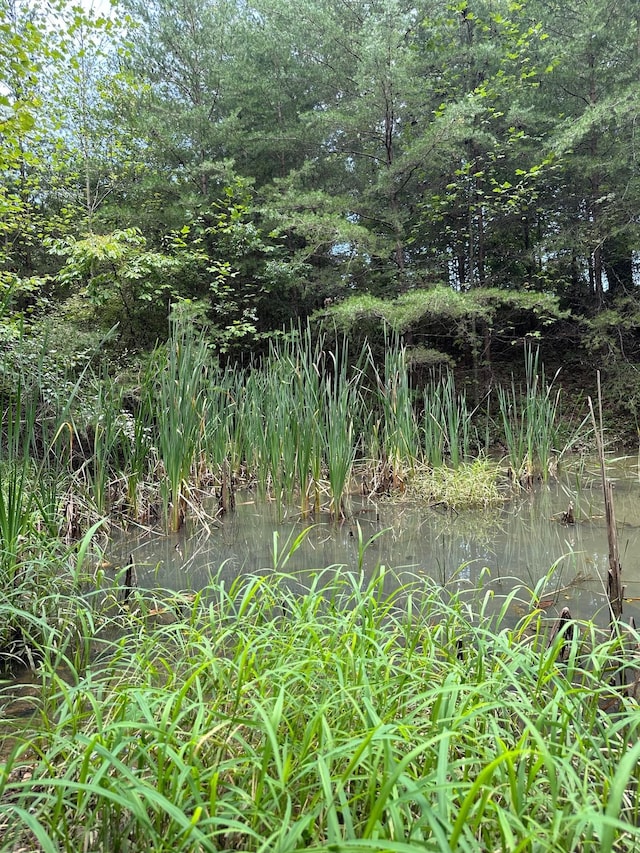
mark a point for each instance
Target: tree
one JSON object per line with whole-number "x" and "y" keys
{"x": 23, "y": 52}
{"x": 184, "y": 53}
{"x": 593, "y": 93}
{"x": 90, "y": 151}
{"x": 217, "y": 266}
{"x": 345, "y": 209}
{"x": 478, "y": 217}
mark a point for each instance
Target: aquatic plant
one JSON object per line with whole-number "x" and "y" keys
{"x": 433, "y": 437}
{"x": 223, "y": 429}
{"x": 446, "y": 422}
{"x": 176, "y": 394}
{"x": 529, "y": 420}
{"x": 18, "y": 437}
{"x": 301, "y": 364}
{"x": 15, "y": 518}
{"x": 294, "y": 423}
{"x": 251, "y": 427}
{"x": 104, "y": 431}
{"x": 138, "y": 456}
{"x": 337, "y": 422}
{"x": 351, "y": 715}
{"x": 470, "y": 485}
{"x": 397, "y": 437}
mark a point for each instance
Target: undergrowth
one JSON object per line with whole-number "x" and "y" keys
{"x": 345, "y": 715}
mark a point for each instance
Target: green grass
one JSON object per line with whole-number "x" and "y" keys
{"x": 347, "y": 715}
{"x": 469, "y": 485}
{"x": 40, "y": 594}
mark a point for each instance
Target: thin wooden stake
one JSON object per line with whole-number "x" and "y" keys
{"x": 614, "y": 579}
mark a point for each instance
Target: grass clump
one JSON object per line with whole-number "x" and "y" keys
{"x": 43, "y": 604}
{"x": 470, "y": 485}
{"x": 343, "y": 717}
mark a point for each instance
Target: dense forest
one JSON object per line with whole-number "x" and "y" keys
{"x": 465, "y": 170}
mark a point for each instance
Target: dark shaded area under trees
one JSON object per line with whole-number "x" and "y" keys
{"x": 465, "y": 172}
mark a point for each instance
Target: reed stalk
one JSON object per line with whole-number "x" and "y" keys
{"x": 301, "y": 362}
{"x": 19, "y": 420}
{"x": 397, "y": 433}
{"x": 433, "y": 437}
{"x": 340, "y": 405}
{"x": 138, "y": 455}
{"x": 178, "y": 400}
{"x": 447, "y": 427}
{"x": 105, "y": 430}
{"x": 529, "y": 418}
{"x": 256, "y": 440}
{"x": 15, "y": 516}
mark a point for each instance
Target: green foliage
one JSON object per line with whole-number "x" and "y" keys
{"x": 458, "y": 322}
{"x": 611, "y": 335}
{"x": 175, "y": 396}
{"x": 447, "y": 431}
{"x": 119, "y": 275}
{"x": 296, "y": 422}
{"x": 407, "y": 311}
{"x": 363, "y": 719}
{"x": 228, "y": 265}
{"x": 394, "y": 426}
{"x": 438, "y": 303}
{"x": 530, "y": 421}
{"x": 264, "y": 160}
{"x": 40, "y": 576}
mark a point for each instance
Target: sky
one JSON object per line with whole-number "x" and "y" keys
{"x": 99, "y": 7}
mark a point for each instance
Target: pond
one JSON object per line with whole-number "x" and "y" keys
{"x": 495, "y": 549}
{"x": 471, "y": 553}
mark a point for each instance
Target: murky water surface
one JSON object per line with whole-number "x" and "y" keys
{"x": 494, "y": 550}
{"x": 498, "y": 549}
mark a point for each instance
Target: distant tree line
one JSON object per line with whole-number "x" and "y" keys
{"x": 255, "y": 162}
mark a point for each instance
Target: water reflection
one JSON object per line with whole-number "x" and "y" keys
{"x": 517, "y": 544}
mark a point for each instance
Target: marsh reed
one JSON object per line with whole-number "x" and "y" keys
{"x": 447, "y": 429}
{"x": 530, "y": 420}
{"x": 395, "y": 427}
{"x": 295, "y": 424}
{"x": 176, "y": 395}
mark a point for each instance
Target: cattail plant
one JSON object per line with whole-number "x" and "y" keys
{"x": 447, "y": 423}
{"x": 529, "y": 420}
{"x": 104, "y": 432}
{"x": 178, "y": 400}
{"x": 396, "y": 432}
{"x": 340, "y": 405}
{"x": 15, "y": 515}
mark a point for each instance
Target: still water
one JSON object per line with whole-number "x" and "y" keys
{"x": 471, "y": 553}
{"x": 515, "y": 545}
